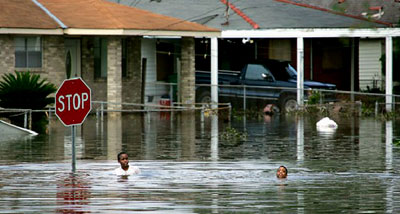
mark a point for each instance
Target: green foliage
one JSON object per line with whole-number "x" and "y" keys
{"x": 396, "y": 142}
{"x": 24, "y": 90}
{"x": 367, "y": 111}
{"x": 388, "y": 116}
{"x": 233, "y": 135}
{"x": 255, "y": 114}
{"x": 314, "y": 98}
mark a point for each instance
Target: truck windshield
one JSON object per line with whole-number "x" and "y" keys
{"x": 255, "y": 71}
{"x": 282, "y": 71}
{"x": 291, "y": 71}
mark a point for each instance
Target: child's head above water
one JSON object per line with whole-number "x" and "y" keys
{"x": 120, "y": 154}
{"x": 123, "y": 160}
{"x": 281, "y": 172}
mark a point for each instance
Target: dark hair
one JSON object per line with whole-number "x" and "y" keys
{"x": 119, "y": 155}
{"x": 285, "y": 169}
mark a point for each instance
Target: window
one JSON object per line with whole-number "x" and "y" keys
{"x": 100, "y": 57}
{"x": 28, "y": 52}
{"x": 255, "y": 71}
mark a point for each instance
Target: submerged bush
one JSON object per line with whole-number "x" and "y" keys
{"x": 233, "y": 135}
{"x": 314, "y": 98}
{"x": 24, "y": 90}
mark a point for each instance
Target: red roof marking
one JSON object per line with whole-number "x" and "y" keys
{"x": 334, "y": 12}
{"x": 376, "y": 8}
{"x": 241, "y": 14}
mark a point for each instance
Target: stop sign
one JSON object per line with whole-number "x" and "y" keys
{"x": 73, "y": 101}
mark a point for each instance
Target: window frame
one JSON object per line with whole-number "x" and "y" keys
{"x": 26, "y": 52}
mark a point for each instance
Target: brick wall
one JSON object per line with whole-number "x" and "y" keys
{"x": 53, "y": 58}
{"x": 114, "y": 73}
{"x": 53, "y": 63}
{"x": 132, "y": 84}
{"x": 7, "y": 57}
{"x": 112, "y": 89}
{"x": 187, "y": 76}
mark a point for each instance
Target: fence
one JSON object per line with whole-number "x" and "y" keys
{"x": 100, "y": 108}
{"x": 242, "y": 98}
{"x": 241, "y": 95}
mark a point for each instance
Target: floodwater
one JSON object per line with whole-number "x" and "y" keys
{"x": 187, "y": 167}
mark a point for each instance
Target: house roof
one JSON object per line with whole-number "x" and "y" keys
{"x": 100, "y": 14}
{"x": 94, "y": 17}
{"x": 13, "y": 14}
{"x": 267, "y": 14}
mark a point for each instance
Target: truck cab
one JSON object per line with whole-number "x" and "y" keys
{"x": 274, "y": 81}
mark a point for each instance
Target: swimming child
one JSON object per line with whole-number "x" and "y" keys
{"x": 281, "y": 172}
{"x": 125, "y": 169}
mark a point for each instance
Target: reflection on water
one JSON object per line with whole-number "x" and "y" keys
{"x": 73, "y": 194}
{"x": 187, "y": 168}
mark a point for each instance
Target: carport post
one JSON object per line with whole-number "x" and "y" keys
{"x": 389, "y": 73}
{"x": 300, "y": 71}
{"x": 214, "y": 72}
{"x": 352, "y": 72}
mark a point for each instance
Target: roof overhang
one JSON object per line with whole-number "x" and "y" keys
{"x": 312, "y": 33}
{"x": 29, "y": 31}
{"x": 127, "y": 32}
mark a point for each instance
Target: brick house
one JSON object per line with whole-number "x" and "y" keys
{"x": 97, "y": 40}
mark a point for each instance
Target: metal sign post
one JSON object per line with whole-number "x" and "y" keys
{"x": 73, "y": 104}
{"x": 73, "y": 130}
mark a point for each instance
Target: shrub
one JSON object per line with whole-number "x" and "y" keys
{"x": 24, "y": 90}
{"x": 314, "y": 98}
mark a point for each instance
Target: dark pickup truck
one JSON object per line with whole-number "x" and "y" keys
{"x": 274, "y": 81}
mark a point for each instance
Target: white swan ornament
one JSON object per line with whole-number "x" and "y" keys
{"x": 326, "y": 124}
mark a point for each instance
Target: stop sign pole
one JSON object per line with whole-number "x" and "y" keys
{"x": 73, "y": 104}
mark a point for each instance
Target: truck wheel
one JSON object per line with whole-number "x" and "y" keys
{"x": 288, "y": 103}
{"x": 204, "y": 97}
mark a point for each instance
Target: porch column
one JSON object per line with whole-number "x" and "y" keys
{"x": 300, "y": 71}
{"x": 352, "y": 69}
{"x": 114, "y": 75}
{"x": 132, "y": 84}
{"x": 187, "y": 75}
{"x": 214, "y": 72}
{"x": 389, "y": 73}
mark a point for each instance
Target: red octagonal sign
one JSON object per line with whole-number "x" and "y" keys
{"x": 73, "y": 101}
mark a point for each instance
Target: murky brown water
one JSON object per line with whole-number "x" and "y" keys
{"x": 187, "y": 167}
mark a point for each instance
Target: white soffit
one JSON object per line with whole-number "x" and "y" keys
{"x": 31, "y": 31}
{"x": 312, "y": 33}
{"x": 123, "y": 32}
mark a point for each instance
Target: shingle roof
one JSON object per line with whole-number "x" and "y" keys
{"x": 89, "y": 14}
{"x": 24, "y": 14}
{"x": 268, "y": 14}
{"x": 99, "y": 14}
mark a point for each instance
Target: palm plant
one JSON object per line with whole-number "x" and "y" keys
{"x": 24, "y": 90}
